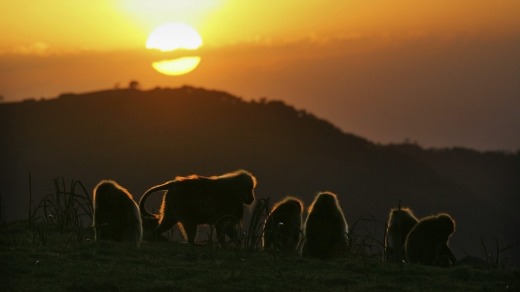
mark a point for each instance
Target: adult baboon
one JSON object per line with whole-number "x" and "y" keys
{"x": 195, "y": 200}
{"x": 427, "y": 242}
{"x": 116, "y": 214}
{"x": 283, "y": 226}
{"x": 326, "y": 230}
{"x": 400, "y": 222}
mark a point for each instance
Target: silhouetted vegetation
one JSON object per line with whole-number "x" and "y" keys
{"x": 67, "y": 209}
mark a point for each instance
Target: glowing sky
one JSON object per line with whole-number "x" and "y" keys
{"x": 443, "y": 73}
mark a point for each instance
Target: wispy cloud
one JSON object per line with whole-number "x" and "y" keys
{"x": 36, "y": 48}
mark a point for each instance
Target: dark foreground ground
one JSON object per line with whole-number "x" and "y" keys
{"x": 47, "y": 260}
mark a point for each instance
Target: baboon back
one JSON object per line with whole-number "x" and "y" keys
{"x": 193, "y": 200}
{"x": 325, "y": 228}
{"x": 400, "y": 223}
{"x": 203, "y": 200}
{"x": 283, "y": 226}
{"x": 427, "y": 242}
{"x": 116, "y": 215}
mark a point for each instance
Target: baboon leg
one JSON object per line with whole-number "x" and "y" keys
{"x": 191, "y": 230}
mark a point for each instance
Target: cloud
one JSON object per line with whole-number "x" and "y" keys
{"x": 36, "y": 48}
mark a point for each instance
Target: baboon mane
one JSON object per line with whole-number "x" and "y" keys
{"x": 289, "y": 200}
{"x": 116, "y": 214}
{"x": 283, "y": 226}
{"x": 400, "y": 222}
{"x": 326, "y": 229}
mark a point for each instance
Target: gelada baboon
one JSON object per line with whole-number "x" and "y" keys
{"x": 427, "y": 242}
{"x": 400, "y": 222}
{"x": 283, "y": 226}
{"x": 326, "y": 230}
{"x": 197, "y": 200}
{"x": 116, "y": 214}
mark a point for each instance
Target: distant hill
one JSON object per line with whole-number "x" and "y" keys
{"x": 143, "y": 138}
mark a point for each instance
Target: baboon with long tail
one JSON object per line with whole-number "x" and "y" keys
{"x": 116, "y": 214}
{"x": 400, "y": 222}
{"x": 326, "y": 230}
{"x": 283, "y": 226}
{"x": 427, "y": 242}
{"x": 193, "y": 200}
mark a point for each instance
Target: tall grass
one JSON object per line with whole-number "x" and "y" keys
{"x": 495, "y": 261}
{"x": 362, "y": 241}
{"x": 253, "y": 238}
{"x": 69, "y": 208}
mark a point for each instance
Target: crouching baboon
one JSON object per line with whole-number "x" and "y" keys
{"x": 283, "y": 226}
{"x": 326, "y": 230}
{"x": 400, "y": 222}
{"x": 116, "y": 214}
{"x": 195, "y": 200}
{"x": 427, "y": 242}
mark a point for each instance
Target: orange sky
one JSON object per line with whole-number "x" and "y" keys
{"x": 443, "y": 73}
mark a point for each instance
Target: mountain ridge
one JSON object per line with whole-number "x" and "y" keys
{"x": 142, "y": 138}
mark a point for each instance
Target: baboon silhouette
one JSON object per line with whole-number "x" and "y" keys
{"x": 326, "y": 230}
{"x": 150, "y": 225}
{"x": 195, "y": 200}
{"x": 427, "y": 242}
{"x": 400, "y": 222}
{"x": 116, "y": 214}
{"x": 283, "y": 226}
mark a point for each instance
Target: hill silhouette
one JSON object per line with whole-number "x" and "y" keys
{"x": 143, "y": 138}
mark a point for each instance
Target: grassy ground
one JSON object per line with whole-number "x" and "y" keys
{"x": 59, "y": 261}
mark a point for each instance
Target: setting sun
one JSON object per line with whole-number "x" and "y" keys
{"x": 177, "y": 66}
{"x": 175, "y": 36}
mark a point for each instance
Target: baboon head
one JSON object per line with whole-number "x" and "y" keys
{"x": 446, "y": 226}
{"x": 246, "y": 184}
{"x": 325, "y": 201}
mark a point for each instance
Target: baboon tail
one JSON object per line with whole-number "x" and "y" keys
{"x": 142, "y": 201}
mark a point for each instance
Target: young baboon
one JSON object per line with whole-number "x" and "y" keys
{"x": 400, "y": 222}
{"x": 326, "y": 230}
{"x": 116, "y": 214}
{"x": 195, "y": 200}
{"x": 283, "y": 226}
{"x": 427, "y": 242}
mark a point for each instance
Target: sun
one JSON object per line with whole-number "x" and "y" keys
{"x": 177, "y": 66}
{"x": 172, "y": 36}
{"x": 175, "y": 36}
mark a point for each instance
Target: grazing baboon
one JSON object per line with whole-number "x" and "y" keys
{"x": 427, "y": 242}
{"x": 150, "y": 229}
{"x": 326, "y": 230}
{"x": 400, "y": 222}
{"x": 283, "y": 226}
{"x": 195, "y": 200}
{"x": 116, "y": 214}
